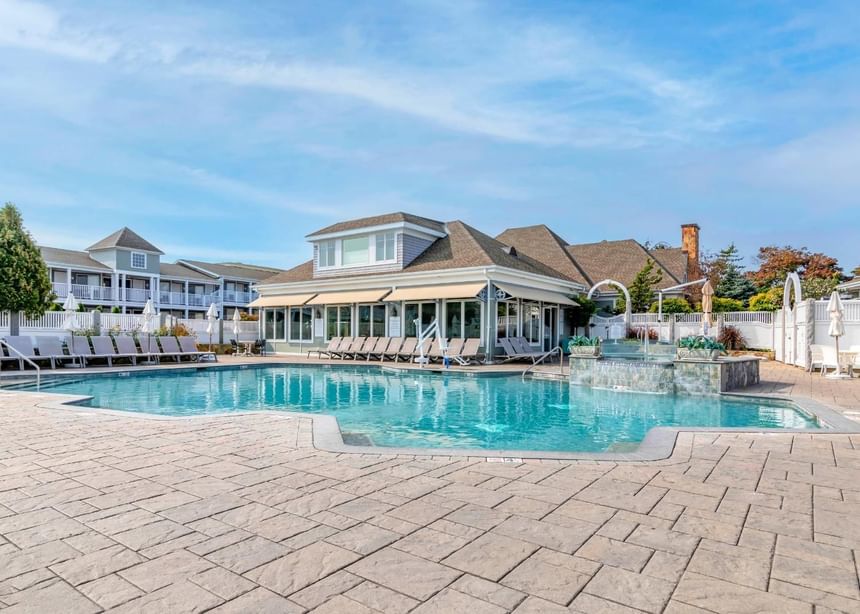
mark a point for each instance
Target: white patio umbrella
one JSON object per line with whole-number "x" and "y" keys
{"x": 237, "y": 318}
{"x": 212, "y": 316}
{"x": 836, "y": 329}
{"x": 148, "y": 314}
{"x": 707, "y": 306}
{"x": 71, "y": 308}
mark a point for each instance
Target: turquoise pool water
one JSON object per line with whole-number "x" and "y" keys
{"x": 430, "y": 410}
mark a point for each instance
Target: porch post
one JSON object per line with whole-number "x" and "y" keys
{"x": 121, "y": 290}
{"x": 490, "y": 325}
{"x": 114, "y": 289}
{"x": 68, "y": 281}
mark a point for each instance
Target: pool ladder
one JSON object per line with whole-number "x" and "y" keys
{"x": 557, "y": 349}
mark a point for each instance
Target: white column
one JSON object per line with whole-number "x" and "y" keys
{"x": 121, "y": 290}
{"x": 68, "y": 281}
{"x": 186, "y": 298}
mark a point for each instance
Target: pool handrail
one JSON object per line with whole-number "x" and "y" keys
{"x": 27, "y": 359}
{"x": 544, "y": 357}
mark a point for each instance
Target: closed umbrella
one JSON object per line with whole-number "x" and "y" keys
{"x": 148, "y": 314}
{"x": 836, "y": 328}
{"x": 707, "y": 306}
{"x": 71, "y": 307}
{"x": 237, "y": 318}
{"x": 212, "y": 316}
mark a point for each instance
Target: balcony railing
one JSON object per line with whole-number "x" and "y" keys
{"x": 137, "y": 295}
{"x": 85, "y": 293}
{"x": 202, "y": 300}
{"x": 238, "y": 297}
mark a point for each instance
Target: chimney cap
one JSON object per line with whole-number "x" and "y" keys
{"x": 693, "y": 225}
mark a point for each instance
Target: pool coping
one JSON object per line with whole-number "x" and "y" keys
{"x": 658, "y": 443}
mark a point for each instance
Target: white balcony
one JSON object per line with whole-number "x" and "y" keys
{"x": 202, "y": 300}
{"x": 238, "y": 297}
{"x": 171, "y": 298}
{"x": 137, "y": 295}
{"x": 85, "y": 293}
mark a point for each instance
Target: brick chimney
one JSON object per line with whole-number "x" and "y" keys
{"x": 690, "y": 244}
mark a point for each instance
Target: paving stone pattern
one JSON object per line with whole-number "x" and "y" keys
{"x": 100, "y": 512}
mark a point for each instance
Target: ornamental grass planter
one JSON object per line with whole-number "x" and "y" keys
{"x": 585, "y": 350}
{"x": 697, "y": 354}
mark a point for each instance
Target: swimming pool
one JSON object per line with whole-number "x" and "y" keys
{"x": 427, "y": 410}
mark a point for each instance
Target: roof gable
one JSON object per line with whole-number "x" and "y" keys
{"x": 125, "y": 238}
{"x": 617, "y": 260}
{"x": 542, "y": 244}
{"x": 379, "y": 220}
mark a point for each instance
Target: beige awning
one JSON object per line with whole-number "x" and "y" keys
{"x": 534, "y": 294}
{"x": 352, "y": 296}
{"x": 281, "y": 300}
{"x": 422, "y": 293}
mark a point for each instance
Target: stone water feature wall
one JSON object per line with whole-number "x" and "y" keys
{"x": 679, "y": 376}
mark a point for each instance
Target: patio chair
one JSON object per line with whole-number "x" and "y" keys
{"x": 366, "y": 348}
{"x": 188, "y": 345}
{"x": 815, "y": 357}
{"x": 355, "y": 346}
{"x": 829, "y": 359}
{"x": 516, "y": 353}
{"x": 455, "y": 346}
{"x": 468, "y": 353}
{"x": 331, "y": 347}
{"x": 436, "y": 352}
{"x": 167, "y": 348}
{"x": 169, "y": 345}
{"x": 22, "y": 345}
{"x": 260, "y": 347}
{"x": 81, "y": 348}
{"x": 379, "y": 348}
{"x": 426, "y": 344}
{"x": 855, "y": 365}
{"x": 235, "y": 350}
{"x": 522, "y": 345}
{"x": 407, "y": 349}
{"x": 125, "y": 347}
{"x": 394, "y": 344}
{"x": 341, "y": 348}
{"x": 51, "y": 348}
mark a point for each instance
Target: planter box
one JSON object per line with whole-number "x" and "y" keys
{"x": 688, "y": 354}
{"x": 585, "y": 350}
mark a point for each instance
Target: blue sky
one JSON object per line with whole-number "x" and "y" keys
{"x": 225, "y": 133}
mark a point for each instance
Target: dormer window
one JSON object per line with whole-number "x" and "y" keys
{"x": 328, "y": 250}
{"x": 385, "y": 245}
{"x": 138, "y": 260}
{"x": 355, "y": 251}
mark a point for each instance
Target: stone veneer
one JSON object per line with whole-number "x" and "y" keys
{"x": 679, "y": 376}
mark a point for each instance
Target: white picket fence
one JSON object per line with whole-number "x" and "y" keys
{"x": 121, "y": 322}
{"x": 49, "y": 322}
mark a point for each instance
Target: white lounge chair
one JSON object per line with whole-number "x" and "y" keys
{"x": 468, "y": 353}
{"x": 391, "y": 351}
{"x": 189, "y": 348}
{"x": 407, "y": 349}
{"x": 829, "y": 359}
{"x": 332, "y": 346}
{"x": 815, "y": 357}
{"x": 22, "y": 346}
{"x": 125, "y": 347}
{"x": 51, "y": 348}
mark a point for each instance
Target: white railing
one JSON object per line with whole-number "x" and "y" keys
{"x": 747, "y": 317}
{"x": 93, "y": 293}
{"x": 49, "y": 321}
{"x": 137, "y": 295}
{"x": 171, "y": 298}
{"x": 4, "y": 319}
{"x": 241, "y": 298}
{"x": 202, "y": 300}
{"x": 61, "y": 289}
{"x": 850, "y": 310}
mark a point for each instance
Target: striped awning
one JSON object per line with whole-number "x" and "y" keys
{"x": 425, "y": 293}
{"x": 281, "y": 300}
{"x": 535, "y": 294}
{"x": 350, "y": 296}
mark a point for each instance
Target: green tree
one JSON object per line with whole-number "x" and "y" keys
{"x": 672, "y": 305}
{"x": 733, "y": 283}
{"x": 24, "y": 282}
{"x": 642, "y": 288}
{"x": 818, "y": 287}
{"x": 769, "y": 300}
{"x": 580, "y": 315}
{"x": 775, "y": 263}
{"x": 856, "y": 271}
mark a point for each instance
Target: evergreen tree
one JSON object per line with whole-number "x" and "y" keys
{"x": 642, "y": 288}
{"x": 24, "y": 282}
{"x": 733, "y": 282}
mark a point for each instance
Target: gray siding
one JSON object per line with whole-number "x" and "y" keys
{"x": 410, "y": 247}
{"x": 370, "y": 268}
{"x": 123, "y": 262}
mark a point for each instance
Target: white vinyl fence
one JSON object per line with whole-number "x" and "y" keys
{"x": 789, "y": 334}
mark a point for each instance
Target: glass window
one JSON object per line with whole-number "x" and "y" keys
{"x": 327, "y": 254}
{"x": 410, "y": 314}
{"x": 301, "y": 324}
{"x": 371, "y": 320}
{"x": 531, "y": 322}
{"x": 280, "y": 323}
{"x": 355, "y": 251}
{"x": 507, "y": 319}
{"x": 269, "y": 324}
{"x": 138, "y": 260}
{"x": 471, "y": 320}
{"x": 385, "y": 246}
{"x": 454, "y": 319}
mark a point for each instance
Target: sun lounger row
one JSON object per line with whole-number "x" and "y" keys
{"x": 79, "y": 350}
{"x": 462, "y": 351}
{"x": 518, "y": 348}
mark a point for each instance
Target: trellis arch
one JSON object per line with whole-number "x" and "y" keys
{"x": 789, "y": 346}
{"x": 628, "y": 310}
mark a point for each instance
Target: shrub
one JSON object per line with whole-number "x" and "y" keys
{"x": 769, "y": 300}
{"x": 672, "y": 305}
{"x": 115, "y": 309}
{"x": 249, "y": 317}
{"x": 722, "y": 305}
{"x": 700, "y": 342}
{"x": 583, "y": 341}
{"x": 732, "y": 338}
{"x": 639, "y": 333}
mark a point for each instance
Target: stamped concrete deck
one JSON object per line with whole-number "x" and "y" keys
{"x": 241, "y": 514}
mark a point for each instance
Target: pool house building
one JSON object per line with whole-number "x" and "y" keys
{"x": 374, "y": 277}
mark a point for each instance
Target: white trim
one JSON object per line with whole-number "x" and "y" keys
{"x": 417, "y": 228}
{"x": 67, "y": 265}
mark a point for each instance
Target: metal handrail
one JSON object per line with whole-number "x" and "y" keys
{"x": 544, "y": 357}
{"x": 30, "y": 362}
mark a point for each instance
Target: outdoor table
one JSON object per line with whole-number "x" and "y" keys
{"x": 249, "y": 346}
{"x": 847, "y": 358}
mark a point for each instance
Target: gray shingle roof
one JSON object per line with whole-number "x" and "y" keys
{"x": 126, "y": 238}
{"x": 617, "y": 260}
{"x": 542, "y": 244}
{"x": 167, "y": 269}
{"x": 237, "y": 270}
{"x": 71, "y": 258}
{"x": 377, "y": 220}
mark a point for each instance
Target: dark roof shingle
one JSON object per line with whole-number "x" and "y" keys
{"x": 378, "y": 220}
{"x": 617, "y": 260}
{"x": 542, "y": 244}
{"x": 126, "y": 238}
{"x": 70, "y": 257}
{"x": 234, "y": 269}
